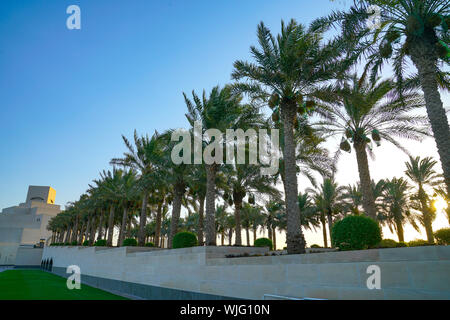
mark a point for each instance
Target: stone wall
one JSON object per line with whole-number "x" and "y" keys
{"x": 204, "y": 272}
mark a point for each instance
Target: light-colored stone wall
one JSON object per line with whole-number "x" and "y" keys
{"x": 406, "y": 273}
{"x": 27, "y": 256}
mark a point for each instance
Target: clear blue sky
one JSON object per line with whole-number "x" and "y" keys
{"x": 68, "y": 95}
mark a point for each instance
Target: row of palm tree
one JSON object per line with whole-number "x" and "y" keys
{"x": 307, "y": 83}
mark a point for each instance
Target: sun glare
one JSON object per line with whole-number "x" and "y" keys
{"x": 440, "y": 204}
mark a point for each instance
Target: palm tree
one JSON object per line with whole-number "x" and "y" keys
{"x": 221, "y": 110}
{"x": 422, "y": 173}
{"x": 418, "y": 29}
{"x": 352, "y": 197}
{"x": 246, "y": 180}
{"x": 328, "y": 198}
{"x": 396, "y": 206}
{"x": 110, "y": 184}
{"x": 288, "y": 69}
{"x": 177, "y": 175}
{"x": 364, "y": 109}
{"x": 144, "y": 158}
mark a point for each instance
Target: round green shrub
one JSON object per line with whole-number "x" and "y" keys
{"x": 149, "y": 244}
{"x": 85, "y": 243}
{"x": 65, "y": 244}
{"x": 315, "y": 246}
{"x": 263, "y": 242}
{"x": 419, "y": 243}
{"x": 355, "y": 233}
{"x": 443, "y": 236}
{"x": 100, "y": 243}
{"x": 184, "y": 239}
{"x": 74, "y": 243}
{"x": 130, "y": 242}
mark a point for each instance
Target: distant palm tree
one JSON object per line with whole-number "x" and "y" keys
{"x": 364, "y": 109}
{"x": 422, "y": 173}
{"x": 144, "y": 157}
{"x": 396, "y": 206}
{"x": 247, "y": 180}
{"x": 221, "y": 110}
{"x": 328, "y": 198}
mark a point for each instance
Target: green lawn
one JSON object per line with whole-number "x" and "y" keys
{"x": 39, "y": 285}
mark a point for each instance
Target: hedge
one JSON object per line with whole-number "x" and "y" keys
{"x": 264, "y": 242}
{"x": 355, "y": 233}
{"x": 184, "y": 239}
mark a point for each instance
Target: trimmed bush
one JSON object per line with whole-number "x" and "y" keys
{"x": 389, "y": 243}
{"x": 184, "y": 239}
{"x": 263, "y": 242}
{"x": 355, "y": 233}
{"x": 130, "y": 242}
{"x": 74, "y": 243}
{"x": 443, "y": 236}
{"x": 85, "y": 243}
{"x": 419, "y": 243}
{"x": 100, "y": 243}
{"x": 149, "y": 244}
{"x": 315, "y": 246}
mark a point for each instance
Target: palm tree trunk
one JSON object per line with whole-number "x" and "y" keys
{"x": 399, "y": 227}
{"x": 324, "y": 230}
{"x": 88, "y": 228}
{"x": 123, "y": 226}
{"x": 81, "y": 234}
{"x": 294, "y": 236}
{"x": 100, "y": 226}
{"x": 222, "y": 238}
{"x": 143, "y": 220}
{"x": 230, "y": 237}
{"x": 269, "y": 232}
{"x": 428, "y": 227}
{"x": 110, "y": 226}
{"x": 176, "y": 209}
{"x": 426, "y": 65}
{"x": 364, "y": 176}
{"x": 68, "y": 233}
{"x": 158, "y": 223}
{"x": 92, "y": 232}
{"x": 330, "y": 223}
{"x": 427, "y": 222}
{"x": 200, "y": 221}
{"x": 237, "y": 217}
{"x": 255, "y": 229}
{"x": 247, "y": 234}
{"x": 210, "y": 205}
{"x": 74, "y": 231}
{"x": 274, "y": 241}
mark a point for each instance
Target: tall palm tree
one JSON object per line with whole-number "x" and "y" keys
{"x": 422, "y": 173}
{"x": 364, "y": 109}
{"x": 144, "y": 157}
{"x": 287, "y": 71}
{"x": 418, "y": 29}
{"x": 396, "y": 206}
{"x": 220, "y": 110}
